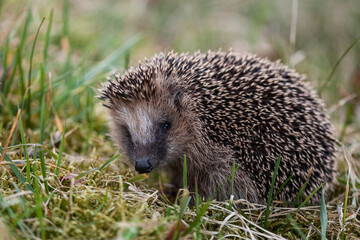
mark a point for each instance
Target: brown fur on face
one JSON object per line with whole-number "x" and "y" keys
{"x": 218, "y": 108}
{"x": 135, "y": 126}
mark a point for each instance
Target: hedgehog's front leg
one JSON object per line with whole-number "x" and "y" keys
{"x": 214, "y": 182}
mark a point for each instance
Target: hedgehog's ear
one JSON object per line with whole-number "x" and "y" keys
{"x": 178, "y": 96}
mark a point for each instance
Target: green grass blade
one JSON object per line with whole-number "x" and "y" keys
{"x": 227, "y": 179}
{"x": 105, "y": 164}
{"x": 197, "y": 211}
{"x": 103, "y": 202}
{"x": 233, "y": 169}
{"x": 5, "y": 57}
{"x": 17, "y": 58}
{"x": 25, "y": 30}
{"x": 269, "y": 201}
{"x": 22, "y": 199}
{"x": 198, "y": 217}
{"x": 282, "y": 186}
{"x": 323, "y": 216}
{"x": 42, "y": 103}
{"x": 21, "y": 75}
{"x": 185, "y": 200}
{"x": 232, "y": 177}
{"x": 308, "y": 198}
{"x": 85, "y": 173}
{"x": 328, "y": 79}
{"x": 184, "y": 205}
{"x": 19, "y": 53}
{"x": 22, "y": 135}
{"x": 42, "y": 127}
{"x": 47, "y": 38}
{"x": 185, "y": 173}
{"x": 28, "y": 106}
{"x": 201, "y": 212}
{"x": 137, "y": 178}
{"x": 303, "y": 186}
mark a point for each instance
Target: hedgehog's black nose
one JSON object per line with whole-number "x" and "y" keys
{"x": 143, "y": 165}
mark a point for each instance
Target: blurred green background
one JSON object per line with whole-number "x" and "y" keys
{"x": 310, "y": 36}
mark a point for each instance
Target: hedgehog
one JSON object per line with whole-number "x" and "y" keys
{"x": 219, "y": 108}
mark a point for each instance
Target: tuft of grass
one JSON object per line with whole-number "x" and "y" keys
{"x": 269, "y": 201}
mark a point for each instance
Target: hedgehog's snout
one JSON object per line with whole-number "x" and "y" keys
{"x": 143, "y": 165}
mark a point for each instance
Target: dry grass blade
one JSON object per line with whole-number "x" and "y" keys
{"x": 10, "y": 135}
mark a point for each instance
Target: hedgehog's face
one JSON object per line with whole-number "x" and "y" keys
{"x": 152, "y": 134}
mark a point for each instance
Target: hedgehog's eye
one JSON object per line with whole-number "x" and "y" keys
{"x": 165, "y": 125}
